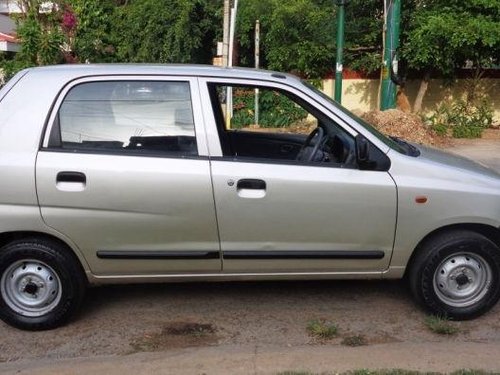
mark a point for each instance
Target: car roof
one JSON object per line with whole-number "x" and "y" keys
{"x": 157, "y": 69}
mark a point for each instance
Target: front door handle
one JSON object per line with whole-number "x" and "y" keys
{"x": 71, "y": 181}
{"x": 252, "y": 184}
{"x": 251, "y": 188}
{"x": 77, "y": 177}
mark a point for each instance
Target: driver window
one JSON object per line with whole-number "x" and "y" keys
{"x": 266, "y": 123}
{"x": 263, "y": 110}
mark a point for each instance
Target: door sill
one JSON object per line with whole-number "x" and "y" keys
{"x": 193, "y": 277}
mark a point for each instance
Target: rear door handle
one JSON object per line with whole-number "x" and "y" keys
{"x": 71, "y": 181}
{"x": 251, "y": 184}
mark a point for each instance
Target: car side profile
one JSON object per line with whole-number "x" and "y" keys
{"x": 164, "y": 173}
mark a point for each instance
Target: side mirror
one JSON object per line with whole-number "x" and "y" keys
{"x": 363, "y": 153}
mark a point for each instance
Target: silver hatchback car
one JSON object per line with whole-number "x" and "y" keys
{"x": 135, "y": 173}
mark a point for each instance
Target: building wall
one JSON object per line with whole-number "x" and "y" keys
{"x": 7, "y": 25}
{"x": 12, "y": 6}
{"x": 8, "y": 6}
{"x": 360, "y": 95}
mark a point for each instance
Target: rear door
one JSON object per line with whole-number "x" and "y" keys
{"x": 124, "y": 173}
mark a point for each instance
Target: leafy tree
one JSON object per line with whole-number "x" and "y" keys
{"x": 363, "y": 35}
{"x": 92, "y": 39}
{"x": 297, "y": 35}
{"x": 40, "y": 36}
{"x": 249, "y": 11}
{"x": 443, "y": 35}
{"x": 301, "y": 38}
{"x": 438, "y": 36}
{"x": 177, "y": 31}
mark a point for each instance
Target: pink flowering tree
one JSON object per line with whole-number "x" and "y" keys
{"x": 69, "y": 25}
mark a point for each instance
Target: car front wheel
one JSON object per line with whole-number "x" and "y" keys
{"x": 41, "y": 284}
{"x": 457, "y": 274}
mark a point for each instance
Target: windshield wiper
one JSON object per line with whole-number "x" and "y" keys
{"x": 410, "y": 149}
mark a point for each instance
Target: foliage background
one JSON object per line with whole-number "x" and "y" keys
{"x": 438, "y": 36}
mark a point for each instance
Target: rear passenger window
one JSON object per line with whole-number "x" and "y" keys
{"x": 127, "y": 116}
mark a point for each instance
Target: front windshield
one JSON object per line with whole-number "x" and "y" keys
{"x": 386, "y": 140}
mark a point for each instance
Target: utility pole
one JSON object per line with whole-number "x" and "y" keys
{"x": 225, "y": 35}
{"x": 340, "y": 49}
{"x": 257, "y": 65}
{"x": 231, "y": 12}
{"x": 392, "y": 14}
{"x": 232, "y": 30}
{"x": 257, "y": 44}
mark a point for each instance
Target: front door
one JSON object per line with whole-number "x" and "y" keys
{"x": 124, "y": 174}
{"x": 283, "y": 209}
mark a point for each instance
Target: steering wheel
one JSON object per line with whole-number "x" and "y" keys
{"x": 319, "y": 133}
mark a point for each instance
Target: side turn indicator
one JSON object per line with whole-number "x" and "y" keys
{"x": 421, "y": 199}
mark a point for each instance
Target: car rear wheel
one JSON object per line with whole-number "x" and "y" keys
{"x": 457, "y": 274}
{"x": 41, "y": 284}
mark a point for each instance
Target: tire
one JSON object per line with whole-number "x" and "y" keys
{"x": 41, "y": 284}
{"x": 456, "y": 274}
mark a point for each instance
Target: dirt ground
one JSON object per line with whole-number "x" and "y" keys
{"x": 254, "y": 328}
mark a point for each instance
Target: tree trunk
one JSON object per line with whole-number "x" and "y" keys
{"x": 402, "y": 102}
{"x": 424, "y": 84}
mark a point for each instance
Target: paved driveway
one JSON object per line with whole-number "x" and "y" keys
{"x": 483, "y": 151}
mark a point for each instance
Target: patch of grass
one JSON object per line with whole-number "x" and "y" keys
{"x": 411, "y": 372}
{"x": 440, "y": 325}
{"x": 390, "y": 372}
{"x": 321, "y": 329}
{"x": 356, "y": 340}
{"x": 175, "y": 335}
{"x": 190, "y": 329}
{"x": 384, "y": 372}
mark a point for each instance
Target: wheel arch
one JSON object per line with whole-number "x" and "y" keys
{"x": 490, "y": 232}
{"x": 8, "y": 237}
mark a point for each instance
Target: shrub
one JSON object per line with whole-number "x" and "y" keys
{"x": 275, "y": 109}
{"x": 465, "y": 117}
{"x": 321, "y": 329}
{"x": 462, "y": 118}
{"x": 357, "y": 340}
{"x": 440, "y": 325}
